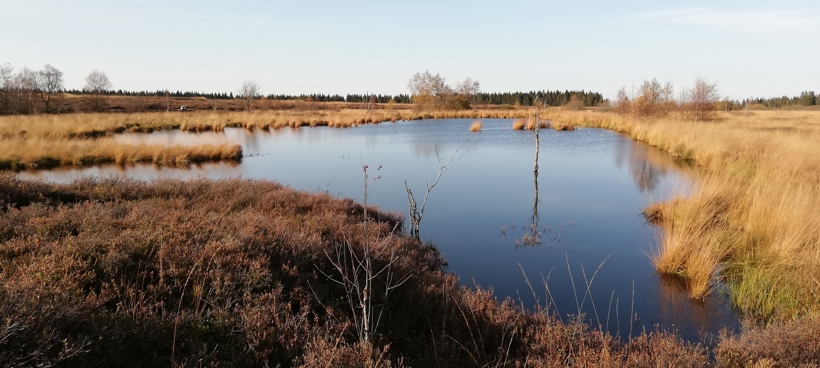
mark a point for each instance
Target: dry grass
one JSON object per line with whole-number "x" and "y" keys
{"x": 48, "y": 152}
{"x": 562, "y": 126}
{"x": 752, "y": 219}
{"x": 94, "y": 125}
{"x": 476, "y": 126}
{"x": 519, "y": 124}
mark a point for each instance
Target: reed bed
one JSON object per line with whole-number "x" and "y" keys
{"x": 476, "y": 126}
{"x": 751, "y": 223}
{"x": 519, "y": 124}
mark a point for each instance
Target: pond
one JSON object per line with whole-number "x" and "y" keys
{"x": 592, "y": 186}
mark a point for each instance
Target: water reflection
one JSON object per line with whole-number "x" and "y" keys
{"x": 647, "y": 165}
{"x": 677, "y": 309}
{"x": 594, "y": 178}
{"x": 211, "y": 170}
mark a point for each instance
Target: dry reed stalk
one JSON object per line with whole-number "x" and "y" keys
{"x": 476, "y": 126}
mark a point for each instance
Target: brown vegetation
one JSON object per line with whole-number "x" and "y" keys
{"x": 562, "y": 126}
{"x": 102, "y": 273}
{"x": 476, "y": 126}
{"x": 519, "y": 124}
{"x": 653, "y": 101}
{"x": 778, "y": 345}
{"x": 430, "y": 92}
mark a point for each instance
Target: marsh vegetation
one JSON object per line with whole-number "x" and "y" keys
{"x": 746, "y": 230}
{"x": 105, "y": 272}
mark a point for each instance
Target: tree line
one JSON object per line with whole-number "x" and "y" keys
{"x": 26, "y": 90}
{"x": 549, "y": 98}
{"x": 806, "y": 98}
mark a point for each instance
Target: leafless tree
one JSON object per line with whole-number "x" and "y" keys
{"x": 97, "y": 83}
{"x": 467, "y": 90}
{"x": 429, "y": 91}
{"x": 414, "y": 212}
{"x": 248, "y": 92}
{"x": 367, "y": 273}
{"x": 700, "y": 100}
{"x": 654, "y": 100}
{"x": 22, "y": 91}
{"x": 623, "y": 102}
{"x": 49, "y": 82}
{"x": 6, "y": 77}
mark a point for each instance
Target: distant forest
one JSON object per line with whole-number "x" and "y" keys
{"x": 551, "y": 98}
{"x": 806, "y": 98}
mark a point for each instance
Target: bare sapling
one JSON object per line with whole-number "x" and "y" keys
{"x": 413, "y": 211}
{"x": 367, "y": 285}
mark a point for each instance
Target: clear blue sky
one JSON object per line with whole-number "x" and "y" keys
{"x": 750, "y": 48}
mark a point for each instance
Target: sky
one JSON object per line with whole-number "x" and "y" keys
{"x": 748, "y": 47}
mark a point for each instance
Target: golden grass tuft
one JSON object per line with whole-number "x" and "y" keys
{"x": 562, "y": 126}
{"x": 476, "y": 126}
{"x": 519, "y": 124}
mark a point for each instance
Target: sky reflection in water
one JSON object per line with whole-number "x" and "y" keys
{"x": 592, "y": 186}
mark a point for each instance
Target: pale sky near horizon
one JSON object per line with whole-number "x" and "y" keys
{"x": 749, "y": 48}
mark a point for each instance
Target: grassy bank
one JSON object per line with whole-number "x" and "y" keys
{"x": 752, "y": 221}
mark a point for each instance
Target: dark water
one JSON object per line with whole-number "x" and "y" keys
{"x": 592, "y": 186}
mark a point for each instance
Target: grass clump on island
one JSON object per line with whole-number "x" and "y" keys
{"x": 48, "y": 152}
{"x": 235, "y": 273}
{"x": 751, "y": 222}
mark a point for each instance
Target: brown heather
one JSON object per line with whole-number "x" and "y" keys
{"x": 778, "y": 345}
{"x": 230, "y": 273}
